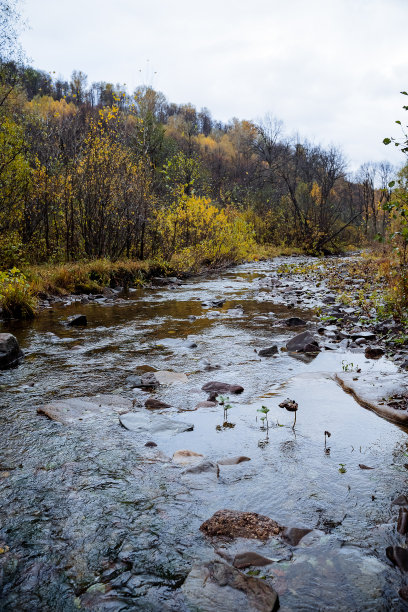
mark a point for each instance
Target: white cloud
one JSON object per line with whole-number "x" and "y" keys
{"x": 330, "y": 69}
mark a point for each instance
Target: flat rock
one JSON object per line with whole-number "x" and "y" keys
{"x": 206, "y": 404}
{"x": 217, "y": 586}
{"x": 84, "y": 409}
{"x": 186, "y": 457}
{"x": 162, "y": 377}
{"x": 268, "y": 352}
{"x": 146, "y": 422}
{"x": 294, "y": 322}
{"x": 374, "y": 391}
{"x": 248, "y": 559}
{"x": 235, "y": 524}
{"x": 233, "y": 460}
{"x": 155, "y": 404}
{"x": 303, "y": 343}
{"x": 10, "y": 352}
{"x": 77, "y": 320}
{"x": 356, "y": 333}
{"x": 220, "y": 387}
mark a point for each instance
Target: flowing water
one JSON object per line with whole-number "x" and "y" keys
{"x": 91, "y": 519}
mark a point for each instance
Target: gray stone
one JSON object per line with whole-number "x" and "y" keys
{"x": 294, "y": 322}
{"x": 374, "y": 352}
{"x": 204, "y": 467}
{"x": 233, "y": 460}
{"x": 77, "y": 321}
{"x": 146, "y": 422}
{"x": 220, "y": 387}
{"x": 268, "y": 352}
{"x": 303, "y": 343}
{"x": 84, "y": 409}
{"x": 162, "y": 377}
{"x": 217, "y": 586}
{"x": 10, "y": 352}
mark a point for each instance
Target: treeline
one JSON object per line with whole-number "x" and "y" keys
{"x": 93, "y": 172}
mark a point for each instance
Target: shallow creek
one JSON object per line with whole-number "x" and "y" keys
{"x": 92, "y": 519}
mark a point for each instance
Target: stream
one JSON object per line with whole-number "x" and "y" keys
{"x": 92, "y": 519}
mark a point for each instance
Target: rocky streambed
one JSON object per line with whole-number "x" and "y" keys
{"x": 127, "y": 483}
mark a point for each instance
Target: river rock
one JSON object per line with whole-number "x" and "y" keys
{"x": 402, "y": 525}
{"x": 303, "y": 343}
{"x": 236, "y": 524}
{"x": 401, "y": 500}
{"x": 10, "y": 352}
{"x": 220, "y": 387}
{"x": 217, "y": 586}
{"x": 248, "y": 559}
{"x": 155, "y": 404}
{"x": 146, "y": 422}
{"x": 204, "y": 467}
{"x": 398, "y": 556}
{"x": 186, "y": 457}
{"x": 84, "y": 409}
{"x": 206, "y": 404}
{"x": 294, "y": 534}
{"x": 233, "y": 460}
{"x": 373, "y": 352}
{"x": 77, "y": 320}
{"x": 374, "y": 390}
{"x": 162, "y": 377}
{"x": 359, "y": 333}
{"x": 294, "y": 322}
{"x": 268, "y": 352}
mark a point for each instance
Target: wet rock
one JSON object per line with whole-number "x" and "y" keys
{"x": 358, "y": 333}
{"x": 185, "y": 457}
{"x": 217, "y": 586}
{"x": 204, "y": 467}
{"x": 206, "y": 404}
{"x": 10, "y": 352}
{"x": 77, "y": 320}
{"x": 155, "y": 404}
{"x": 373, "y": 352}
{"x": 248, "y": 559}
{"x": 134, "y": 381}
{"x": 84, "y": 409}
{"x": 220, "y": 387}
{"x": 235, "y": 524}
{"x": 375, "y": 391}
{"x": 294, "y": 534}
{"x": 146, "y": 422}
{"x": 150, "y": 444}
{"x": 190, "y": 344}
{"x": 403, "y": 593}
{"x": 364, "y": 467}
{"x": 402, "y": 525}
{"x": 303, "y": 343}
{"x": 233, "y": 460}
{"x": 268, "y": 352}
{"x": 294, "y": 322}
{"x": 162, "y": 377}
{"x": 401, "y": 500}
{"x": 398, "y": 556}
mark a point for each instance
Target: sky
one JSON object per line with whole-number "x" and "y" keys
{"x": 331, "y": 70}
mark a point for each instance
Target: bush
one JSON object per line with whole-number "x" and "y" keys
{"x": 16, "y": 297}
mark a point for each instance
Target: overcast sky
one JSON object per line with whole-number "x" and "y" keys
{"x": 331, "y": 70}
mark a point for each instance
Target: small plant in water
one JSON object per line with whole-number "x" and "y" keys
{"x": 349, "y": 367}
{"x": 342, "y": 468}
{"x": 264, "y": 410}
{"x": 327, "y": 434}
{"x": 290, "y": 406}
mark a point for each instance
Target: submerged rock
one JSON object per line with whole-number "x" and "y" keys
{"x": 294, "y": 322}
{"x": 268, "y": 352}
{"x": 236, "y": 524}
{"x": 206, "y": 404}
{"x": 402, "y": 525}
{"x": 373, "y": 352}
{"x": 84, "y": 409}
{"x": 145, "y": 422}
{"x": 303, "y": 343}
{"x": 233, "y": 460}
{"x": 185, "y": 457}
{"x": 294, "y": 534}
{"x": 162, "y": 377}
{"x": 220, "y": 387}
{"x": 10, "y": 352}
{"x": 77, "y": 320}
{"x": 217, "y": 586}
{"x": 204, "y": 467}
{"x": 248, "y": 559}
{"x": 401, "y": 500}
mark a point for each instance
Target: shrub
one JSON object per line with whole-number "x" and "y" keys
{"x": 16, "y": 297}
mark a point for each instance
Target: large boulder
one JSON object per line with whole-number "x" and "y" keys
{"x": 216, "y": 585}
{"x": 303, "y": 343}
{"x": 10, "y": 352}
{"x": 236, "y": 524}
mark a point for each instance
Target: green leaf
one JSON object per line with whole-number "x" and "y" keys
{"x": 391, "y": 184}
{"x": 387, "y": 141}
{"x": 399, "y": 122}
